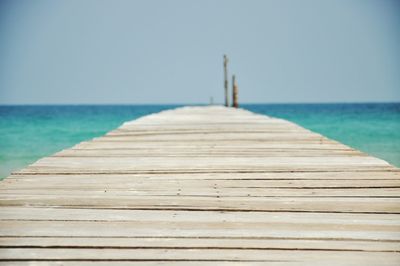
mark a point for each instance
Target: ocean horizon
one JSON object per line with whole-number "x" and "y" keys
{"x": 30, "y": 132}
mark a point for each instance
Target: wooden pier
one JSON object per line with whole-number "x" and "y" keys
{"x": 203, "y": 186}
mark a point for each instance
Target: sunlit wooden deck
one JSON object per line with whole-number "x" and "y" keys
{"x": 203, "y": 186}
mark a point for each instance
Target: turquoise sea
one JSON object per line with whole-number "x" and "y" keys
{"x": 31, "y": 132}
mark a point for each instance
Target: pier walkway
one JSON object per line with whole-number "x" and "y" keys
{"x": 203, "y": 186}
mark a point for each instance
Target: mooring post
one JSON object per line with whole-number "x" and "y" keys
{"x": 226, "y": 80}
{"x": 234, "y": 93}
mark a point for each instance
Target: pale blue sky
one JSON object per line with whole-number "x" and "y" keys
{"x": 170, "y": 51}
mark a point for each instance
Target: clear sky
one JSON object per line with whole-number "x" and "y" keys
{"x": 170, "y": 51}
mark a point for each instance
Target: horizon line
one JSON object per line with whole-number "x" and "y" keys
{"x": 194, "y": 104}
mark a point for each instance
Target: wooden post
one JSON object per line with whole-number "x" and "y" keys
{"x": 226, "y": 80}
{"x": 234, "y": 93}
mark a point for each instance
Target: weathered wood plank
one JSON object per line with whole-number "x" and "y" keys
{"x": 62, "y": 214}
{"x": 118, "y": 178}
{"x": 201, "y": 243}
{"x": 282, "y": 256}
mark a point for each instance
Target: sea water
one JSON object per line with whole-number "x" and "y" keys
{"x": 370, "y": 127}
{"x": 31, "y": 132}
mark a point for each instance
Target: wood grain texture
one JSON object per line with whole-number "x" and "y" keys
{"x": 203, "y": 186}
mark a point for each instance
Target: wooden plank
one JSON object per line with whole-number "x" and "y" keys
{"x": 62, "y": 214}
{"x": 283, "y": 256}
{"x": 167, "y": 183}
{"x": 201, "y": 243}
{"x": 291, "y": 175}
{"x": 100, "y": 229}
{"x": 211, "y": 192}
{"x": 333, "y": 262}
{"x": 300, "y": 204}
